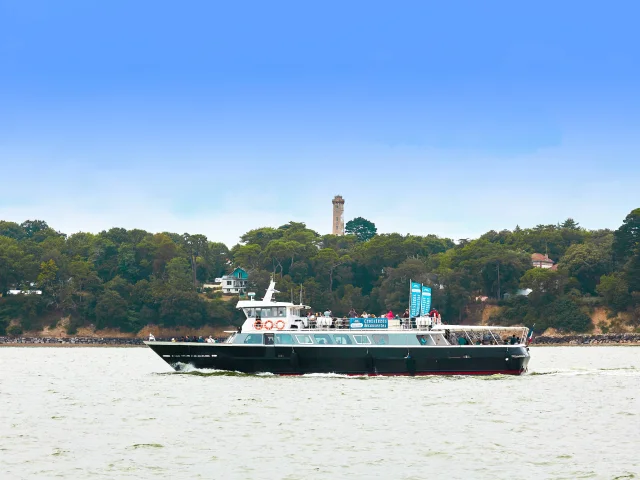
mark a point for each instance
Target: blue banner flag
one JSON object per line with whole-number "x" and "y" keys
{"x": 426, "y": 300}
{"x": 368, "y": 323}
{"x": 416, "y": 293}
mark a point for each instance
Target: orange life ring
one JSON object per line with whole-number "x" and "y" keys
{"x": 257, "y": 325}
{"x": 268, "y": 324}
{"x": 280, "y": 324}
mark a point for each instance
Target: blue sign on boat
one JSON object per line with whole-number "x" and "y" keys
{"x": 357, "y": 323}
{"x": 416, "y": 293}
{"x": 426, "y": 301}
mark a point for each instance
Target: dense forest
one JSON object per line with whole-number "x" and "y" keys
{"x": 127, "y": 279}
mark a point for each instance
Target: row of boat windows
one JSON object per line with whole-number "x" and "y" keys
{"x": 332, "y": 339}
{"x": 266, "y": 312}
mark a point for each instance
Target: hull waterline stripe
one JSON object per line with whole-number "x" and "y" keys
{"x": 405, "y": 374}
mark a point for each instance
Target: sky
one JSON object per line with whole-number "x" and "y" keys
{"x": 451, "y": 118}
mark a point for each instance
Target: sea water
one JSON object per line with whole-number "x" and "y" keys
{"x": 82, "y": 413}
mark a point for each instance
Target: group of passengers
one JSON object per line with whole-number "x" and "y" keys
{"x": 485, "y": 339}
{"x": 187, "y": 338}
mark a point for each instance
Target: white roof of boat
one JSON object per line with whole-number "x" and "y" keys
{"x": 259, "y": 303}
{"x": 475, "y": 327}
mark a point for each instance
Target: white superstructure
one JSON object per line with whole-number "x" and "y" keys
{"x": 268, "y": 314}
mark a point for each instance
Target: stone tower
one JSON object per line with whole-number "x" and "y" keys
{"x": 338, "y": 215}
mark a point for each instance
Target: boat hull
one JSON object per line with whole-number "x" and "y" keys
{"x": 347, "y": 360}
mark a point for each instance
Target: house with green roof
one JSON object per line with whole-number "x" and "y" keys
{"x": 235, "y": 282}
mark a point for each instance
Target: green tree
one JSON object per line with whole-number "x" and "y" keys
{"x": 326, "y": 262}
{"x": 571, "y": 224}
{"x": 627, "y": 237}
{"x": 546, "y": 285}
{"x": 615, "y": 291}
{"x": 248, "y": 256}
{"x": 362, "y": 228}
{"x": 587, "y": 262}
{"x": 12, "y": 230}
{"x": 632, "y": 271}
{"x": 261, "y": 236}
{"x": 111, "y": 310}
{"x": 564, "y": 315}
{"x": 13, "y": 263}
{"x": 179, "y": 275}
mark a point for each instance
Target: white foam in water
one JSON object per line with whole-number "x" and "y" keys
{"x": 328, "y": 375}
{"x": 189, "y": 368}
{"x": 614, "y": 372}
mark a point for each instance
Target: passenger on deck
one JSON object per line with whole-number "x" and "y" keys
{"x": 365, "y": 315}
{"x": 406, "y": 314}
{"x": 514, "y": 340}
{"x": 353, "y": 313}
{"x": 462, "y": 341}
{"x": 152, "y": 338}
{"x": 390, "y": 315}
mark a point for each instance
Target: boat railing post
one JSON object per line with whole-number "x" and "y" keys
{"x": 494, "y": 337}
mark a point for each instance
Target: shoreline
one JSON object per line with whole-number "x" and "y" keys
{"x": 612, "y": 339}
{"x": 621, "y": 339}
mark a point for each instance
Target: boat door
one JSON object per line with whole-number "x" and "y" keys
{"x": 270, "y": 350}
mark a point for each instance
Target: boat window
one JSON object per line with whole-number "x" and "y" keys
{"x": 342, "y": 339}
{"x": 382, "y": 339}
{"x": 268, "y": 338}
{"x": 281, "y": 312}
{"x": 439, "y": 339}
{"x": 284, "y": 339}
{"x": 423, "y": 339}
{"x": 323, "y": 339}
{"x": 249, "y": 312}
{"x": 362, "y": 339}
{"x": 254, "y": 338}
{"x": 304, "y": 339}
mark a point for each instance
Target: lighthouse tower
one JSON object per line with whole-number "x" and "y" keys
{"x": 338, "y": 215}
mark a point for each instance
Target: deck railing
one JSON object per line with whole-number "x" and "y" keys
{"x": 485, "y": 335}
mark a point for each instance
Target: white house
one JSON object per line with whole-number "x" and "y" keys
{"x": 234, "y": 283}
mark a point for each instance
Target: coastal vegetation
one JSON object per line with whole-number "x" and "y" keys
{"x": 127, "y": 279}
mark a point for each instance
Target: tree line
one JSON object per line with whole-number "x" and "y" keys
{"x": 127, "y": 279}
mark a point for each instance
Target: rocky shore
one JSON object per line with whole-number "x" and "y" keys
{"x": 603, "y": 339}
{"x": 71, "y": 341}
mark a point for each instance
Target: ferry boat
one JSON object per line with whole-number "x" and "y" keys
{"x": 278, "y": 338}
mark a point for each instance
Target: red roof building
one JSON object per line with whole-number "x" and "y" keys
{"x": 541, "y": 261}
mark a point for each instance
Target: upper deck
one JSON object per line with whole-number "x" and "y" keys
{"x": 442, "y": 335}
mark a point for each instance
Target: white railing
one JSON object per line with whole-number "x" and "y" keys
{"x": 472, "y": 333}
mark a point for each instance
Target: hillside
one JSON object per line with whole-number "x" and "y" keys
{"x": 124, "y": 280}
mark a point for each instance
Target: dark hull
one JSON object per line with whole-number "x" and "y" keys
{"x": 347, "y": 360}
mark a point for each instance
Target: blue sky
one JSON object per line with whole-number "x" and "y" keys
{"x": 451, "y": 118}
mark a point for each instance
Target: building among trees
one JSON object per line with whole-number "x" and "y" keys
{"x": 234, "y": 283}
{"x": 541, "y": 261}
{"x": 338, "y": 215}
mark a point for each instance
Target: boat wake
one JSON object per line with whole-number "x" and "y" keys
{"x": 619, "y": 372}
